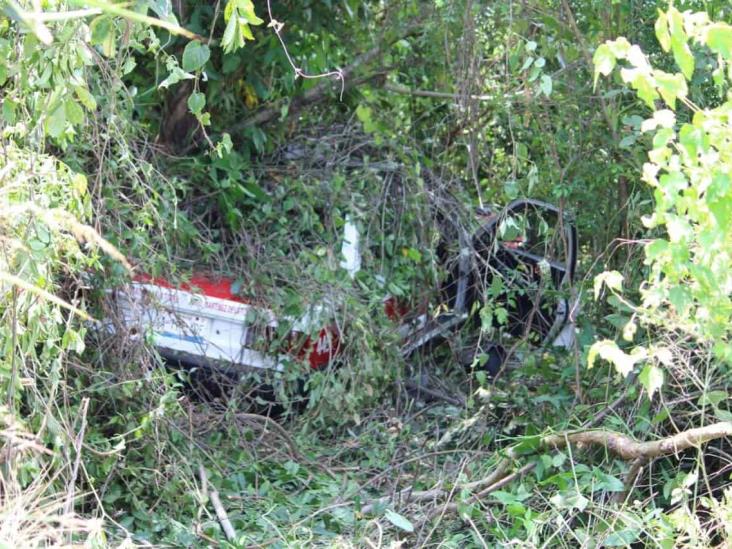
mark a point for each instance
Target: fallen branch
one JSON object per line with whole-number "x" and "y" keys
{"x": 509, "y": 478}
{"x": 628, "y": 449}
{"x": 623, "y": 446}
{"x": 424, "y": 495}
{"x": 415, "y": 387}
{"x": 221, "y": 514}
{"x": 630, "y": 477}
{"x": 264, "y": 422}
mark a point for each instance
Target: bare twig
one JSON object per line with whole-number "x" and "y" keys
{"x": 421, "y": 496}
{"x": 320, "y": 91}
{"x": 597, "y": 419}
{"x": 277, "y": 26}
{"x": 71, "y": 486}
{"x": 453, "y": 507}
{"x": 396, "y": 88}
{"x": 438, "y": 395}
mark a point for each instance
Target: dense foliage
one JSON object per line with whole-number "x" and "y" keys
{"x": 237, "y": 137}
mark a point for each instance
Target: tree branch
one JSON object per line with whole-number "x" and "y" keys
{"x": 322, "y": 89}
{"x": 628, "y": 449}
{"x": 396, "y": 88}
{"x": 213, "y": 497}
{"x": 623, "y": 446}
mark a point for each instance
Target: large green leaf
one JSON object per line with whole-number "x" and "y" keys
{"x": 56, "y": 121}
{"x": 399, "y": 521}
{"x": 196, "y": 102}
{"x": 651, "y": 377}
{"x": 604, "y": 61}
{"x": 195, "y": 56}
{"x": 719, "y": 39}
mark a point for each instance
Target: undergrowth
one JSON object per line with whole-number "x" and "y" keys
{"x": 104, "y": 444}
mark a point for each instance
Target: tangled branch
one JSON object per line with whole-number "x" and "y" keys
{"x": 623, "y": 446}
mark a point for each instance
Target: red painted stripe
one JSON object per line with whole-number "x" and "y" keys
{"x": 219, "y": 287}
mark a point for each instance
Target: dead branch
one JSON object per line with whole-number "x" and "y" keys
{"x": 507, "y": 479}
{"x": 221, "y": 514}
{"x": 630, "y": 477}
{"x": 421, "y": 496}
{"x": 264, "y": 423}
{"x": 628, "y": 449}
{"x": 623, "y": 446}
{"x": 420, "y": 390}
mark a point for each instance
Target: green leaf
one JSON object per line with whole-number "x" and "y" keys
{"x": 247, "y": 10}
{"x": 643, "y": 83}
{"x": 224, "y": 146}
{"x": 604, "y": 61}
{"x": 623, "y": 538}
{"x": 569, "y": 499}
{"x": 399, "y": 521}
{"x": 719, "y": 39}
{"x": 364, "y": 115}
{"x": 196, "y": 102}
{"x": 680, "y": 298}
{"x": 612, "y": 279}
{"x": 9, "y": 107}
{"x": 546, "y": 85}
{"x": 86, "y": 98}
{"x": 609, "y": 483}
{"x": 74, "y": 113}
{"x": 608, "y": 350}
{"x": 656, "y": 248}
{"x": 620, "y": 47}
{"x": 713, "y": 398}
{"x": 671, "y": 87}
{"x": 104, "y": 34}
{"x": 722, "y": 415}
{"x": 176, "y": 75}
{"x": 662, "y": 34}
{"x": 254, "y": 191}
{"x": 56, "y": 121}
{"x": 232, "y": 39}
{"x": 245, "y": 30}
{"x": 693, "y": 139}
{"x": 195, "y": 56}
{"x": 682, "y": 54}
{"x": 627, "y": 141}
{"x": 651, "y": 377}
{"x": 101, "y": 28}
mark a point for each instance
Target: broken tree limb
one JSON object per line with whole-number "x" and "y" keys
{"x": 630, "y": 477}
{"x": 421, "y": 496}
{"x": 507, "y": 479}
{"x": 622, "y": 446}
{"x": 629, "y": 449}
{"x": 213, "y": 497}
